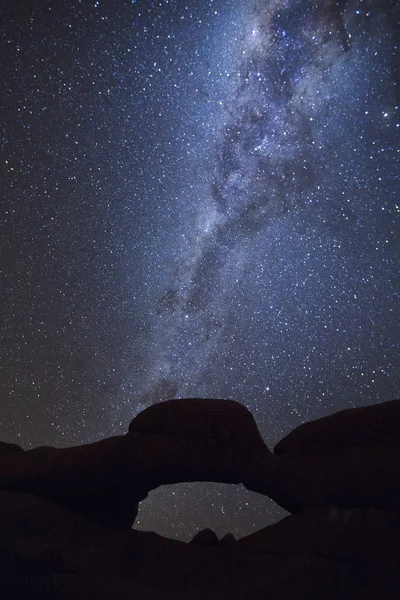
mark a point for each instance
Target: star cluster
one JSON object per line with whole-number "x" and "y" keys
{"x": 198, "y": 199}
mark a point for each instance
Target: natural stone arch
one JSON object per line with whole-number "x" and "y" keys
{"x": 216, "y": 440}
{"x": 177, "y": 441}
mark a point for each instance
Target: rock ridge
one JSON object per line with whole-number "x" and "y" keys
{"x": 66, "y": 514}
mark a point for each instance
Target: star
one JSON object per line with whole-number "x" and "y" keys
{"x": 200, "y": 200}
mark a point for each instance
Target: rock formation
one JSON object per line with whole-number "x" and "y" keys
{"x": 347, "y": 459}
{"x": 171, "y": 442}
{"x": 205, "y": 537}
{"x": 65, "y": 514}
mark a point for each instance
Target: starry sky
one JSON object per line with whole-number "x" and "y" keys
{"x": 198, "y": 198}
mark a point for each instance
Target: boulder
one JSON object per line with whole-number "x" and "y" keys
{"x": 227, "y": 540}
{"x": 208, "y": 419}
{"x": 205, "y": 537}
{"x": 364, "y": 426}
{"x": 349, "y": 459}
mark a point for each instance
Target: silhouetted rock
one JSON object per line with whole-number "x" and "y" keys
{"x": 340, "y": 475}
{"x": 5, "y": 448}
{"x": 357, "y": 466}
{"x": 43, "y": 535}
{"x": 351, "y": 427}
{"x": 171, "y": 442}
{"x": 204, "y": 418}
{"x": 87, "y": 478}
{"x": 205, "y": 537}
{"x": 227, "y": 540}
{"x": 217, "y": 440}
{"x": 334, "y": 533}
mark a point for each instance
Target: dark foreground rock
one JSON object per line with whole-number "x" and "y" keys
{"x": 205, "y": 537}
{"x": 172, "y": 442}
{"x": 48, "y": 552}
{"x": 339, "y": 476}
{"x": 365, "y": 426}
{"x": 350, "y": 458}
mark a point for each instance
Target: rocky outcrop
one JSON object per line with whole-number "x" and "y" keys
{"x": 176, "y": 441}
{"x": 334, "y": 533}
{"x": 39, "y": 534}
{"x": 50, "y": 552}
{"x": 339, "y": 476}
{"x": 228, "y": 539}
{"x": 204, "y": 418}
{"x": 7, "y": 448}
{"x": 205, "y": 537}
{"x": 348, "y": 459}
{"x": 364, "y": 426}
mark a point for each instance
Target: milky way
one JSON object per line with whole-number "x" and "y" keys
{"x": 200, "y": 199}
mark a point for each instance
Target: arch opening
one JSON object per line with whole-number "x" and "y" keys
{"x": 181, "y": 510}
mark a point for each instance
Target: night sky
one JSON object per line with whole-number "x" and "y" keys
{"x": 198, "y": 198}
